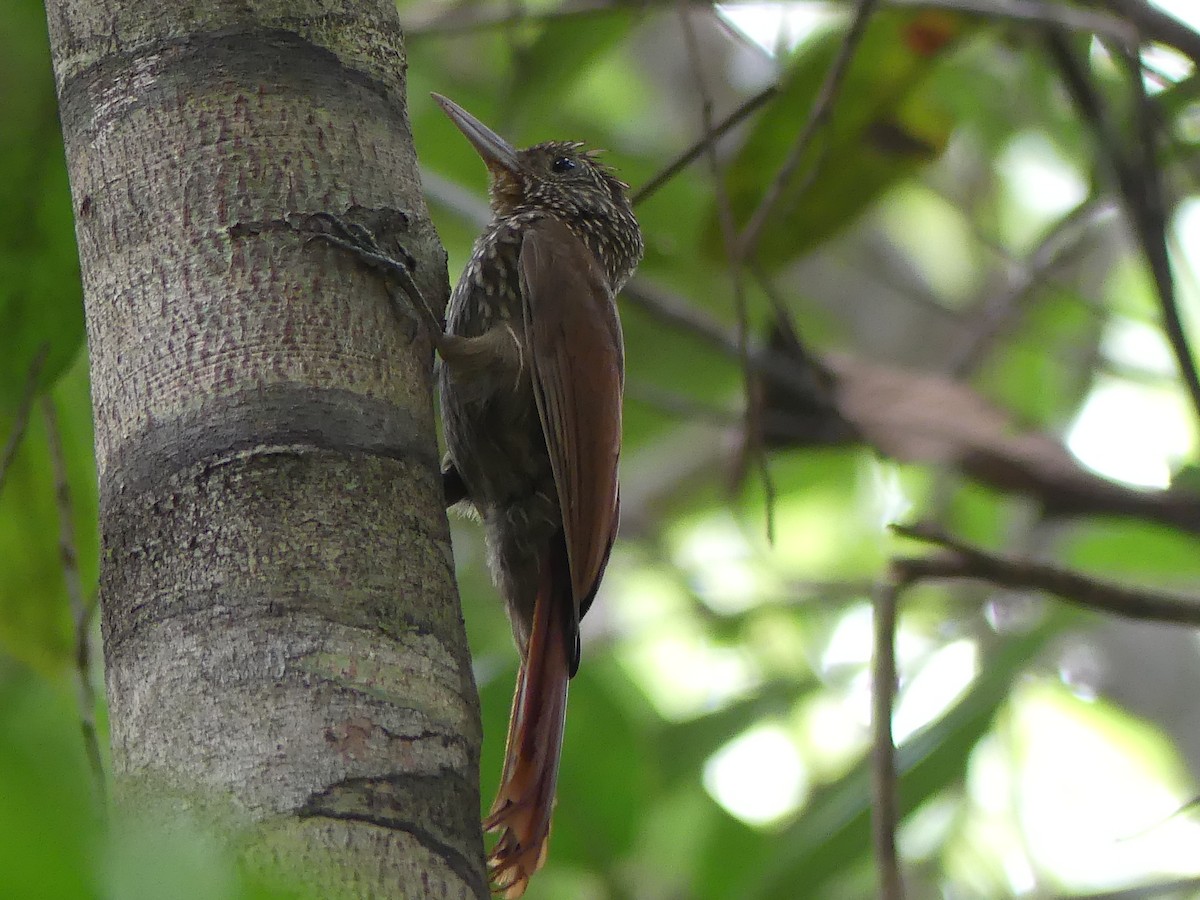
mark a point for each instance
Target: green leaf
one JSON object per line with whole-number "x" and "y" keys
{"x": 49, "y": 825}
{"x": 1035, "y": 371}
{"x": 35, "y": 624}
{"x": 563, "y": 51}
{"x": 881, "y": 127}
{"x": 836, "y": 826}
{"x": 684, "y": 747}
{"x": 40, "y": 298}
{"x": 1118, "y": 548}
{"x": 833, "y": 832}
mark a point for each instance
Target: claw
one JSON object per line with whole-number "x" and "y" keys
{"x": 361, "y": 240}
{"x": 358, "y": 240}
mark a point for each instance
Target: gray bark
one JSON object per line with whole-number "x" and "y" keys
{"x": 283, "y": 641}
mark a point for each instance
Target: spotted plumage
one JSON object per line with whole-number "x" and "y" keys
{"x": 531, "y": 381}
{"x": 495, "y": 437}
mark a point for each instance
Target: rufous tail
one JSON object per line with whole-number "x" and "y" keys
{"x": 525, "y": 800}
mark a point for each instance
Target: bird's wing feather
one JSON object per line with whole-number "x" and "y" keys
{"x": 577, "y": 354}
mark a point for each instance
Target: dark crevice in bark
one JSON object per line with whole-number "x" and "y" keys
{"x": 321, "y": 605}
{"x": 277, "y": 415}
{"x": 380, "y": 220}
{"x": 173, "y": 564}
{"x": 445, "y": 738}
{"x": 403, "y": 803}
{"x": 164, "y": 67}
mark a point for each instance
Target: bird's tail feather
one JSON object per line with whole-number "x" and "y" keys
{"x": 525, "y": 801}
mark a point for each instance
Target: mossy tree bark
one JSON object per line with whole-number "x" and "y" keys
{"x": 282, "y": 634}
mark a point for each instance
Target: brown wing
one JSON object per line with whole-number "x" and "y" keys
{"x": 578, "y": 369}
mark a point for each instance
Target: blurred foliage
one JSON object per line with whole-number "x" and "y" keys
{"x": 916, "y": 203}
{"x": 887, "y": 127}
{"x": 39, "y": 274}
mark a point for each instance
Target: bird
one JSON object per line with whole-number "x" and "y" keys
{"x": 530, "y": 382}
{"x": 532, "y": 419}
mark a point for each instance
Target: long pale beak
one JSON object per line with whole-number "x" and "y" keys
{"x": 498, "y": 154}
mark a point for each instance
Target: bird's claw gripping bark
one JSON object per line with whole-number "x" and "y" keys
{"x": 360, "y": 241}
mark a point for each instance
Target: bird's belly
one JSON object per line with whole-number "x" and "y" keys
{"x": 496, "y": 442}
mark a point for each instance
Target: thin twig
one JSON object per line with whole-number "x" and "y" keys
{"x": 692, "y": 153}
{"x": 671, "y": 309}
{"x": 1008, "y": 470}
{"x": 885, "y": 802}
{"x": 1175, "y": 888}
{"x": 676, "y": 312}
{"x": 964, "y": 561}
{"x": 465, "y": 19}
{"x": 678, "y": 405}
{"x": 817, "y": 116}
{"x": 454, "y": 197}
{"x": 1159, "y": 25}
{"x": 753, "y": 426}
{"x": 708, "y": 140}
{"x": 780, "y": 307}
{"x": 81, "y": 609}
{"x": 1062, "y": 241}
{"x": 1030, "y": 12}
{"x": 1148, "y": 194}
{"x": 462, "y": 19}
{"x": 21, "y": 419}
{"x": 1140, "y": 185}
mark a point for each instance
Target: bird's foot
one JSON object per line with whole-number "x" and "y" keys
{"x": 512, "y": 863}
{"x": 362, "y": 243}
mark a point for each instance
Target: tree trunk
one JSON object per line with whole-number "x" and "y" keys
{"x": 283, "y": 641}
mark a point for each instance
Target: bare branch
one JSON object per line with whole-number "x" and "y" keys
{"x": 1159, "y": 25}
{"x": 1145, "y": 193}
{"x": 678, "y": 313}
{"x": 21, "y": 419}
{"x": 918, "y": 418}
{"x": 448, "y": 20}
{"x": 81, "y": 609}
{"x": 816, "y": 119}
{"x": 736, "y": 269}
{"x": 994, "y": 313}
{"x": 1070, "y": 18}
{"x": 964, "y": 561}
{"x": 680, "y": 406}
{"x": 708, "y": 139}
{"x": 1173, "y": 888}
{"x": 1139, "y": 182}
{"x": 885, "y": 803}
{"x": 445, "y": 21}
{"x": 457, "y": 199}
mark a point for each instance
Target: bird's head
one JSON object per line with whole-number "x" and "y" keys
{"x": 563, "y": 179}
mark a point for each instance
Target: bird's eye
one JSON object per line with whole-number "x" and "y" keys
{"x": 562, "y": 164}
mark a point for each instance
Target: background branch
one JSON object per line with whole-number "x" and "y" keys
{"x": 817, "y": 117}
{"x": 737, "y": 271}
{"x": 21, "y": 417}
{"x": 964, "y": 561}
{"x": 885, "y": 802}
{"x": 842, "y": 400}
{"x": 1157, "y": 24}
{"x": 711, "y": 135}
{"x": 81, "y": 609}
{"x": 1139, "y": 183}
